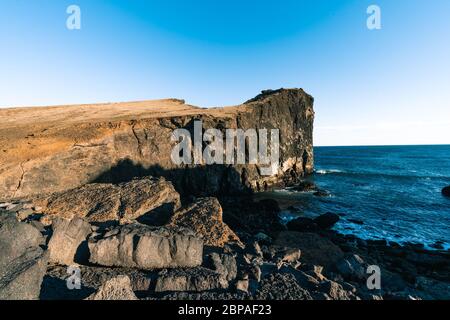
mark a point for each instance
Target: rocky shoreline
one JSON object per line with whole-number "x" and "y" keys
{"x": 92, "y": 207}
{"x": 197, "y": 248}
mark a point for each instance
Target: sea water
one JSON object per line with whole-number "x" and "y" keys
{"x": 395, "y": 191}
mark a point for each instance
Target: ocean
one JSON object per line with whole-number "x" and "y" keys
{"x": 395, "y": 191}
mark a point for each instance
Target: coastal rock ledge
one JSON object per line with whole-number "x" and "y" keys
{"x": 55, "y": 149}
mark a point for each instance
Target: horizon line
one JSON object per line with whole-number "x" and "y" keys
{"x": 383, "y": 145}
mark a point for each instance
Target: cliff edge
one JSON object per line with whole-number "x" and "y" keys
{"x": 52, "y": 149}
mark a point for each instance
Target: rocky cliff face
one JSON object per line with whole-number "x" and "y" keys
{"x": 47, "y": 150}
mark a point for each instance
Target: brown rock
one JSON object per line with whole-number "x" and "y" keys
{"x": 204, "y": 217}
{"x": 76, "y": 145}
{"x": 100, "y": 202}
{"x": 66, "y": 240}
{"x": 118, "y": 288}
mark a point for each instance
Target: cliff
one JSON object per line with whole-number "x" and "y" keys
{"x": 51, "y": 149}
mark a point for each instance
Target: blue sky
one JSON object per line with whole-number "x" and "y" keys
{"x": 388, "y": 86}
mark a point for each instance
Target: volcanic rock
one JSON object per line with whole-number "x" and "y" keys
{"x": 352, "y": 267}
{"x": 204, "y": 217}
{"x": 118, "y": 288}
{"x": 196, "y": 279}
{"x": 305, "y": 186}
{"x": 224, "y": 264}
{"x": 100, "y": 202}
{"x": 280, "y": 286}
{"x": 66, "y": 241}
{"x": 446, "y": 191}
{"x": 327, "y": 220}
{"x": 21, "y": 277}
{"x": 55, "y": 149}
{"x": 316, "y": 250}
{"x": 16, "y": 238}
{"x": 144, "y": 247}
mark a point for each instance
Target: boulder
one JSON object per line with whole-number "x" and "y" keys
{"x": 280, "y": 254}
{"x": 16, "y": 238}
{"x": 104, "y": 202}
{"x": 93, "y": 277}
{"x": 22, "y": 262}
{"x": 224, "y": 264}
{"x": 281, "y": 286}
{"x": 21, "y": 277}
{"x": 148, "y": 248}
{"x": 316, "y": 250}
{"x": 66, "y": 243}
{"x": 335, "y": 291}
{"x": 439, "y": 290}
{"x": 242, "y": 285}
{"x": 327, "y": 220}
{"x": 260, "y": 217}
{"x": 352, "y": 267}
{"x": 321, "y": 193}
{"x": 204, "y": 217}
{"x": 446, "y": 191}
{"x": 195, "y": 279}
{"x": 305, "y": 186}
{"x": 118, "y": 288}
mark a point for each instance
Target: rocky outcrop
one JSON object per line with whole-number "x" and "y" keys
{"x": 21, "y": 278}
{"x": 281, "y": 287}
{"x": 198, "y": 279}
{"x": 22, "y": 261}
{"x": 65, "y": 245}
{"x": 446, "y": 191}
{"x": 327, "y": 220}
{"x": 55, "y": 149}
{"x": 147, "y": 248}
{"x": 315, "y": 249}
{"x": 118, "y": 288}
{"x": 102, "y": 202}
{"x": 204, "y": 217}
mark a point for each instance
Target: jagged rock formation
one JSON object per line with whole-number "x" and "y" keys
{"x": 204, "y": 217}
{"x": 54, "y": 149}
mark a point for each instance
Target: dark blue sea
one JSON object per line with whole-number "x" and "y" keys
{"x": 394, "y": 190}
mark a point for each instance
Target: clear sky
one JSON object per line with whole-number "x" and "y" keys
{"x": 388, "y": 86}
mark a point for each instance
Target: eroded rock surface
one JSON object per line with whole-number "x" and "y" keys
{"x": 23, "y": 262}
{"x": 148, "y": 248}
{"x": 204, "y": 217}
{"x": 101, "y": 202}
{"x": 67, "y": 239}
{"x": 198, "y": 279}
{"x": 118, "y": 288}
{"x": 55, "y": 149}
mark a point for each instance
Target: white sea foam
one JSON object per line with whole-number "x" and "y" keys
{"x": 326, "y": 171}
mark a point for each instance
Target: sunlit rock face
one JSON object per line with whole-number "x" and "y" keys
{"x": 53, "y": 149}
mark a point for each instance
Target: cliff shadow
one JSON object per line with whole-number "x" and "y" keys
{"x": 198, "y": 181}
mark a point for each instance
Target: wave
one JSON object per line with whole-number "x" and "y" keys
{"x": 326, "y": 171}
{"x": 380, "y": 174}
